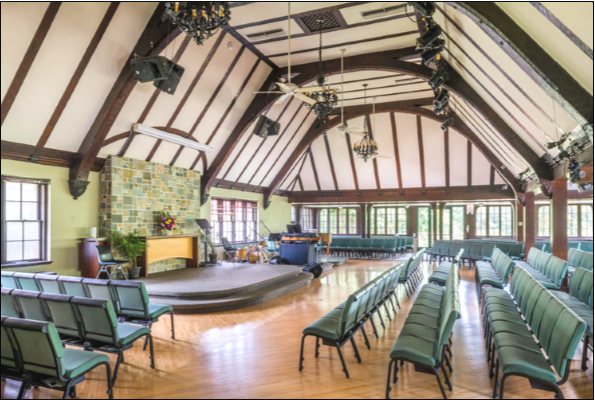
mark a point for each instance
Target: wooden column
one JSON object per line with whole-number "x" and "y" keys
{"x": 368, "y": 219}
{"x": 362, "y": 222}
{"x": 412, "y": 221}
{"x": 520, "y": 223}
{"x": 434, "y": 222}
{"x": 559, "y": 218}
{"x": 298, "y": 215}
{"x": 530, "y": 221}
{"x": 470, "y": 221}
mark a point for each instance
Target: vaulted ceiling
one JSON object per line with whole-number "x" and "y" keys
{"x": 69, "y": 97}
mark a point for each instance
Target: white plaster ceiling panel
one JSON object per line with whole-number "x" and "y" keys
{"x": 165, "y": 153}
{"x": 52, "y": 70}
{"x": 277, "y": 145}
{"x": 357, "y": 76}
{"x": 341, "y": 159}
{"x": 353, "y": 15}
{"x": 19, "y": 22}
{"x": 307, "y": 176}
{"x": 236, "y": 113}
{"x": 499, "y": 180}
{"x": 552, "y": 40}
{"x": 387, "y": 164}
{"x": 263, "y": 11}
{"x": 141, "y": 147}
{"x": 409, "y": 150}
{"x": 253, "y": 161}
{"x": 187, "y": 158}
{"x": 423, "y": 94}
{"x": 435, "y": 161}
{"x": 236, "y": 150}
{"x": 111, "y": 149}
{"x": 295, "y": 30}
{"x": 323, "y": 166}
{"x": 480, "y": 169}
{"x": 458, "y": 159}
{"x": 383, "y": 92}
{"x": 276, "y": 168}
{"x": 100, "y": 75}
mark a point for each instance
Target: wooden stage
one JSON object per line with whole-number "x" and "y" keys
{"x": 254, "y": 353}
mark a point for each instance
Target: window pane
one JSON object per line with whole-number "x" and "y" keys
{"x": 30, "y": 192}
{"x": 446, "y": 214}
{"x": 587, "y": 221}
{"x": 13, "y": 191}
{"x": 381, "y": 221}
{"x": 14, "y": 251}
{"x": 481, "y": 222}
{"x": 32, "y": 230}
{"x": 495, "y": 221}
{"x": 573, "y": 221}
{"x": 402, "y": 215}
{"x": 423, "y": 227}
{"x": 13, "y": 211}
{"x": 391, "y": 216}
{"x": 31, "y": 251}
{"x": 14, "y": 231}
{"x": 324, "y": 221}
{"x": 332, "y": 220}
{"x": 506, "y": 228}
{"x": 458, "y": 223}
{"x": 352, "y": 222}
{"x": 543, "y": 222}
{"x": 343, "y": 222}
{"x": 30, "y": 212}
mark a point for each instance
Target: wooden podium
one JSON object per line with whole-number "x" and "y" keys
{"x": 88, "y": 257}
{"x": 161, "y": 248}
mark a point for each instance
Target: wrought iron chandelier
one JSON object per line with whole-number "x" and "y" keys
{"x": 327, "y": 98}
{"x": 366, "y": 149}
{"x": 199, "y": 19}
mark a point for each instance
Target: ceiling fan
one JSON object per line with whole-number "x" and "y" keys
{"x": 344, "y": 128}
{"x": 288, "y": 89}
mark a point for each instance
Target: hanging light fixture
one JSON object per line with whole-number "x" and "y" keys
{"x": 199, "y": 19}
{"x": 326, "y": 99}
{"x": 366, "y": 148}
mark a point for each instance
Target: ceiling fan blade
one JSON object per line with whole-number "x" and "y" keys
{"x": 269, "y": 92}
{"x": 282, "y": 86}
{"x": 282, "y": 99}
{"x": 305, "y": 99}
{"x": 309, "y": 89}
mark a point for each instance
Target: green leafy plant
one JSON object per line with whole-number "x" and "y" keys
{"x": 131, "y": 245}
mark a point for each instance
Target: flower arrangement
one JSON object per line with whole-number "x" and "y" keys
{"x": 168, "y": 223}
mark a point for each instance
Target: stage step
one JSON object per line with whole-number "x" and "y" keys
{"x": 189, "y": 305}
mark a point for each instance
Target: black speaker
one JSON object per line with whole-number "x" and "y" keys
{"x": 267, "y": 127}
{"x": 164, "y": 73}
{"x": 315, "y": 269}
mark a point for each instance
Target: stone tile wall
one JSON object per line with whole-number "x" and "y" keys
{"x": 133, "y": 193}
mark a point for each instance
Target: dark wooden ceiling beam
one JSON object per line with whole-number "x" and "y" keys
{"x": 393, "y": 123}
{"x": 406, "y": 107}
{"x": 469, "y": 164}
{"x": 382, "y": 61}
{"x": 422, "y": 155}
{"x": 478, "y": 193}
{"x": 156, "y": 36}
{"x": 330, "y": 161}
{"x": 78, "y": 73}
{"x": 447, "y": 158}
{"x": 374, "y": 161}
{"x": 28, "y": 59}
{"x": 314, "y": 169}
{"x": 302, "y": 161}
{"x": 532, "y": 58}
{"x": 352, "y": 160}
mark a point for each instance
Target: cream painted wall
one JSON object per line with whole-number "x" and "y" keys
{"x": 276, "y": 217}
{"x": 69, "y": 219}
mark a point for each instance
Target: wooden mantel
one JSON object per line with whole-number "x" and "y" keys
{"x": 161, "y": 248}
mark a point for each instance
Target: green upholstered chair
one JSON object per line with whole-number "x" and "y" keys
{"x": 102, "y": 331}
{"x": 135, "y": 307}
{"x": 72, "y": 286}
{"x": 101, "y": 290}
{"x": 48, "y": 283}
{"x": 587, "y": 247}
{"x": 8, "y": 280}
{"x": 9, "y": 308}
{"x": 63, "y": 315}
{"x": 30, "y": 305}
{"x": 43, "y": 360}
{"x": 26, "y": 281}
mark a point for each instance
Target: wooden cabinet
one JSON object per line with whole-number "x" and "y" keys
{"x": 88, "y": 257}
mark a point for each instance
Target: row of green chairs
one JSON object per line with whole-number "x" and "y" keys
{"x": 441, "y": 274}
{"x": 495, "y": 273}
{"x": 33, "y": 354}
{"x": 513, "y": 323}
{"x": 387, "y": 248}
{"x": 412, "y": 273}
{"x": 548, "y": 270}
{"x": 579, "y": 259}
{"x": 426, "y": 335}
{"x": 580, "y": 300}
{"x": 339, "y": 327}
{"x": 546, "y": 247}
{"x": 130, "y": 300}
{"x": 87, "y": 323}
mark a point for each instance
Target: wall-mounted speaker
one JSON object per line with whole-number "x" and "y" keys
{"x": 164, "y": 73}
{"x": 266, "y": 127}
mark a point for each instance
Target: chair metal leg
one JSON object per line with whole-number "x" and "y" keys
{"x": 343, "y": 361}
{"x": 173, "y": 327}
{"x": 584, "y": 365}
{"x": 496, "y": 383}
{"x": 356, "y": 350}
{"x": 110, "y": 391}
{"x": 23, "y": 389}
{"x": 120, "y": 360}
{"x": 374, "y": 326}
{"x": 502, "y": 387}
{"x": 381, "y": 319}
{"x": 437, "y": 372}
{"x": 388, "y": 312}
{"x": 302, "y": 354}
{"x": 366, "y": 338}
{"x": 152, "y": 352}
{"x": 388, "y": 382}
{"x": 317, "y": 352}
{"x": 447, "y": 379}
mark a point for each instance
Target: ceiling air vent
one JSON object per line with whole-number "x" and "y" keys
{"x": 384, "y": 12}
{"x": 329, "y": 21}
{"x": 266, "y": 34}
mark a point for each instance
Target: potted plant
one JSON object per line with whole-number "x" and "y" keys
{"x": 132, "y": 246}
{"x": 212, "y": 256}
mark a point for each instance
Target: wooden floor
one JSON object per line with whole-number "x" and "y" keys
{"x": 253, "y": 353}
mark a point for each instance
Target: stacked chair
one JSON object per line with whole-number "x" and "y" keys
{"x": 579, "y": 259}
{"x": 374, "y": 248}
{"x": 475, "y": 250}
{"x": 340, "y": 326}
{"x": 513, "y": 323}
{"x": 548, "y": 270}
{"x": 441, "y": 274}
{"x": 580, "y": 300}
{"x": 33, "y": 354}
{"x": 412, "y": 274}
{"x": 425, "y": 338}
{"x": 495, "y": 274}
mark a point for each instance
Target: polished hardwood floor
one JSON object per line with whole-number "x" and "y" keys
{"x": 254, "y": 353}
